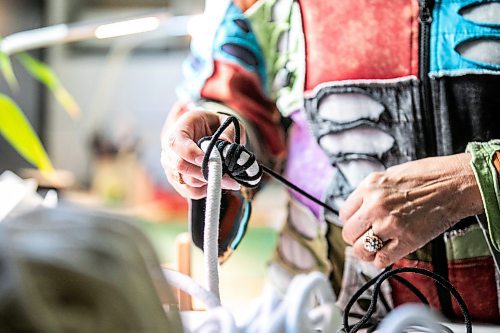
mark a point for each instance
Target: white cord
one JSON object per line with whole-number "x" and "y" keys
{"x": 189, "y": 286}
{"x": 407, "y": 316}
{"x": 211, "y": 231}
{"x": 307, "y": 306}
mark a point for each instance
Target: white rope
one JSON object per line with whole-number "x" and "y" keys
{"x": 189, "y": 286}
{"x": 307, "y": 306}
{"x": 412, "y": 317}
{"x": 211, "y": 231}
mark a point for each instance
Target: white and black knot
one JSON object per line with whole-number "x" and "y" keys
{"x": 239, "y": 163}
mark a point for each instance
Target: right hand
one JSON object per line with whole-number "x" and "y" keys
{"x": 181, "y": 157}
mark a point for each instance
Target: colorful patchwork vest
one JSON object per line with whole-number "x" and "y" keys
{"x": 367, "y": 84}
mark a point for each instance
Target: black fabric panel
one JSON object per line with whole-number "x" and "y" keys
{"x": 241, "y": 53}
{"x": 467, "y": 108}
{"x": 230, "y": 220}
{"x": 242, "y": 24}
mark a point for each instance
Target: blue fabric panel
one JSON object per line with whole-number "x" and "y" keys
{"x": 448, "y": 30}
{"x": 236, "y": 42}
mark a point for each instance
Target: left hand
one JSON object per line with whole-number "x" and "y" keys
{"x": 410, "y": 204}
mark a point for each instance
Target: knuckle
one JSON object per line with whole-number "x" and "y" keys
{"x": 373, "y": 178}
{"x": 191, "y": 153}
{"x": 179, "y": 164}
{"x": 347, "y": 236}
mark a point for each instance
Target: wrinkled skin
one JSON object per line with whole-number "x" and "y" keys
{"x": 182, "y": 158}
{"x": 410, "y": 204}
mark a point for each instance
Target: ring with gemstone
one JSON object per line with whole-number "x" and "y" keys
{"x": 372, "y": 242}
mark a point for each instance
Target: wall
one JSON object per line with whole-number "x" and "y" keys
{"x": 129, "y": 94}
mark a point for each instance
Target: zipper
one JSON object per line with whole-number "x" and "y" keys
{"x": 425, "y": 20}
{"x": 438, "y": 247}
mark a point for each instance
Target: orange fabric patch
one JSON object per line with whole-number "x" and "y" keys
{"x": 244, "y": 4}
{"x": 362, "y": 39}
{"x": 496, "y": 162}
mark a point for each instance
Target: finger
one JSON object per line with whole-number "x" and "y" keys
{"x": 193, "y": 192}
{"x": 229, "y": 183}
{"x": 356, "y": 226}
{"x": 360, "y": 251}
{"x": 389, "y": 254}
{"x": 191, "y": 181}
{"x": 187, "y": 191}
{"x": 359, "y": 248}
{"x": 351, "y": 205}
{"x": 180, "y": 141}
{"x": 229, "y": 133}
{"x": 177, "y": 165}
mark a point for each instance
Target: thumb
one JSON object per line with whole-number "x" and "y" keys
{"x": 229, "y": 133}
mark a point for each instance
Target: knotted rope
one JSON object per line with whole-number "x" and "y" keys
{"x": 308, "y": 305}
{"x": 241, "y": 165}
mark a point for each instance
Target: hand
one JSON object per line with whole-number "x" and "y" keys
{"x": 181, "y": 157}
{"x": 410, "y": 204}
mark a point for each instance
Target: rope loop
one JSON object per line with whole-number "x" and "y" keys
{"x": 238, "y": 162}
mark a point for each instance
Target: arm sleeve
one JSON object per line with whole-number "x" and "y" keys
{"x": 227, "y": 72}
{"x": 486, "y": 165}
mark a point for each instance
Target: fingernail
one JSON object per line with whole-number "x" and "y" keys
{"x": 199, "y": 160}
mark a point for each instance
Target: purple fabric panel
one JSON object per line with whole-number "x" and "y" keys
{"x": 307, "y": 165}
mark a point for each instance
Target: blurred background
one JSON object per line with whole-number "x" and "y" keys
{"x": 109, "y": 157}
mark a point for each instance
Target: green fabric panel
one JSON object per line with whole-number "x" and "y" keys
{"x": 267, "y": 33}
{"x": 287, "y": 64}
{"x": 291, "y": 97}
{"x": 487, "y": 179}
{"x": 466, "y": 244}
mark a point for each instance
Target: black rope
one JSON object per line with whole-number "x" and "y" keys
{"x": 387, "y": 274}
{"x": 237, "y": 172}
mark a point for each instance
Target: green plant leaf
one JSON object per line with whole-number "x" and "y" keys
{"x": 17, "y": 130}
{"x": 7, "y": 71}
{"x": 43, "y": 73}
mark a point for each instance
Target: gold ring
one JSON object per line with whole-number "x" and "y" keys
{"x": 180, "y": 180}
{"x": 372, "y": 242}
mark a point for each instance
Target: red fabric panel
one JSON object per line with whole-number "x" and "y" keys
{"x": 242, "y": 91}
{"x": 400, "y": 294}
{"x": 474, "y": 279}
{"x": 361, "y": 39}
